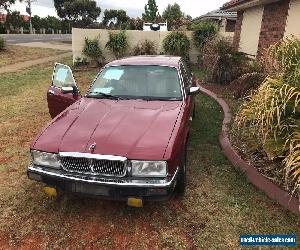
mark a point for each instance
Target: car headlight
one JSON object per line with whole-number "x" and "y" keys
{"x": 149, "y": 168}
{"x": 45, "y": 159}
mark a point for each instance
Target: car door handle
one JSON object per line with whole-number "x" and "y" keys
{"x": 51, "y": 92}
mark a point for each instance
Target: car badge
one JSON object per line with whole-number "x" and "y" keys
{"x": 92, "y": 147}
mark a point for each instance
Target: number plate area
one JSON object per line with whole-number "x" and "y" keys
{"x": 88, "y": 189}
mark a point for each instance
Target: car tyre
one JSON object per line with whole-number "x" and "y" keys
{"x": 181, "y": 179}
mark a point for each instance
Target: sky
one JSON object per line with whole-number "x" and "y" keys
{"x": 134, "y": 8}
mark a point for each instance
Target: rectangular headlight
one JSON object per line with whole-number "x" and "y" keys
{"x": 45, "y": 159}
{"x": 149, "y": 168}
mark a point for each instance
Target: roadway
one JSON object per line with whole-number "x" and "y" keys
{"x": 26, "y": 38}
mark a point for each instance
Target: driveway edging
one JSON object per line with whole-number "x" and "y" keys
{"x": 269, "y": 188}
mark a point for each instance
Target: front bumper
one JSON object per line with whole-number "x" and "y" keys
{"x": 104, "y": 187}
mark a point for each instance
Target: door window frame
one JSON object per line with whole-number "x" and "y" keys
{"x": 57, "y": 87}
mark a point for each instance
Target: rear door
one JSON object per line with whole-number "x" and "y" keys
{"x": 59, "y": 96}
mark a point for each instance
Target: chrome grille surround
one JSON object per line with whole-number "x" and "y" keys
{"x": 93, "y": 166}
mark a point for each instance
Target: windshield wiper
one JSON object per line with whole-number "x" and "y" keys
{"x": 158, "y": 99}
{"x": 97, "y": 94}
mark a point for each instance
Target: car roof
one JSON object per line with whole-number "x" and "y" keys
{"x": 171, "y": 61}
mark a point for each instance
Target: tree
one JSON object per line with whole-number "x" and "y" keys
{"x": 175, "y": 17}
{"x": 36, "y": 22}
{"x": 5, "y": 4}
{"x": 151, "y": 11}
{"x": 53, "y": 23}
{"x": 115, "y": 18}
{"x": 135, "y": 24}
{"x": 80, "y": 12}
{"x": 14, "y": 20}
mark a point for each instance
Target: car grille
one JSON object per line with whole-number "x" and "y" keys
{"x": 93, "y": 166}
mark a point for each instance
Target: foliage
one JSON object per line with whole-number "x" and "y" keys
{"x": 117, "y": 43}
{"x": 80, "y": 62}
{"x": 2, "y": 28}
{"x": 243, "y": 85}
{"x": 177, "y": 43}
{"x": 151, "y": 11}
{"x": 145, "y": 47}
{"x": 173, "y": 15}
{"x": 135, "y": 24}
{"x": 220, "y": 61}
{"x": 2, "y": 44}
{"x": 117, "y": 17}
{"x": 202, "y": 32}
{"x": 80, "y": 12}
{"x": 5, "y": 4}
{"x": 92, "y": 50}
{"x": 271, "y": 115}
{"x": 14, "y": 20}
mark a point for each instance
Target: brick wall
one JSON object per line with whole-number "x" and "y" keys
{"x": 238, "y": 28}
{"x": 273, "y": 24}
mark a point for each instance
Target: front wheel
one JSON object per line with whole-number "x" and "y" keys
{"x": 181, "y": 179}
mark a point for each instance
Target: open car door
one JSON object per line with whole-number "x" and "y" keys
{"x": 63, "y": 91}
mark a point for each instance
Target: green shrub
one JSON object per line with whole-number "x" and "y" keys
{"x": 80, "y": 62}
{"x": 221, "y": 62}
{"x": 203, "y": 32}
{"x": 118, "y": 43}
{"x": 177, "y": 43}
{"x": 270, "y": 117}
{"x": 2, "y": 43}
{"x": 246, "y": 83}
{"x": 92, "y": 50}
{"x": 145, "y": 47}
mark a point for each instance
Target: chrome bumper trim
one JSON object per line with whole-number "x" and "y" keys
{"x": 92, "y": 156}
{"x": 121, "y": 182}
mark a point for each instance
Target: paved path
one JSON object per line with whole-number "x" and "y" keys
{"x": 22, "y": 65}
{"x": 26, "y": 38}
{"x": 48, "y": 45}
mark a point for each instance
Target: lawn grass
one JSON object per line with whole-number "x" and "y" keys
{"x": 14, "y": 54}
{"x": 219, "y": 204}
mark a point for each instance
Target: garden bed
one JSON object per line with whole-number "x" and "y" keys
{"x": 254, "y": 176}
{"x": 272, "y": 170}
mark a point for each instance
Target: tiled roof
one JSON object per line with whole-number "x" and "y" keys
{"x": 217, "y": 14}
{"x": 230, "y": 3}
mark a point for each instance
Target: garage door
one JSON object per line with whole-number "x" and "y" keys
{"x": 292, "y": 24}
{"x": 250, "y": 30}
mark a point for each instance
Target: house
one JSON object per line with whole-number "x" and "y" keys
{"x": 225, "y": 19}
{"x": 3, "y": 17}
{"x": 261, "y": 23}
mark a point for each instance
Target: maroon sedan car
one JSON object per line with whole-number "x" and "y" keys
{"x": 126, "y": 138}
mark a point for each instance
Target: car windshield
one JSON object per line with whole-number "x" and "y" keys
{"x": 137, "y": 82}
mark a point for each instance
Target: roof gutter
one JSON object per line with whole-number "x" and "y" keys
{"x": 245, "y": 4}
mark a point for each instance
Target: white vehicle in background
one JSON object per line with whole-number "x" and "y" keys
{"x": 155, "y": 26}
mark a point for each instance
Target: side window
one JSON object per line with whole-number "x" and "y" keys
{"x": 186, "y": 79}
{"x": 62, "y": 76}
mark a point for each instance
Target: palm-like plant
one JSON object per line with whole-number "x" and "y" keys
{"x": 271, "y": 114}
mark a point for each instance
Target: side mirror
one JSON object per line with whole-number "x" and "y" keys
{"x": 194, "y": 90}
{"x": 66, "y": 90}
